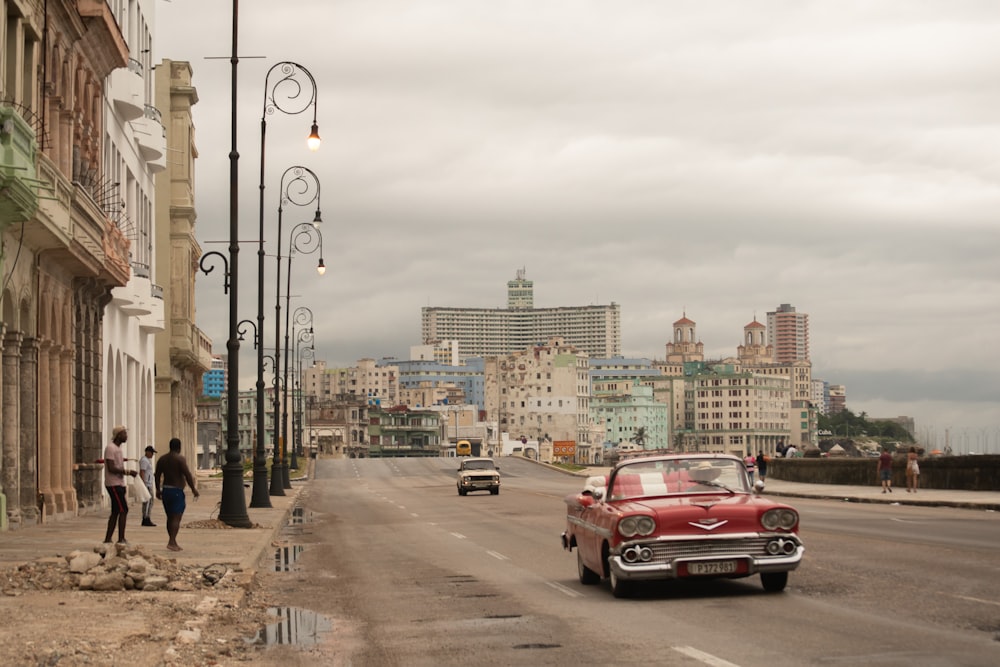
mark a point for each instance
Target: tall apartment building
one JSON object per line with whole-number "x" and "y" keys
{"x": 213, "y": 382}
{"x": 788, "y": 334}
{"x": 485, "y": 332}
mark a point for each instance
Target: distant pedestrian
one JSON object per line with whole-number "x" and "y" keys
{"x": 114, "y": 483}
{"x": 791, "y": 452}
{"x": 172, "y": 473}
{"x": 912, "y": 471}
{"x": 885, "y": 470}
{"x": 762, "y": 466}
{"x": 751, "y": 465}
{"x": 146, "y": 472}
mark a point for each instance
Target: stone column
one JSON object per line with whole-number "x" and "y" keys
{"x": 45, "y": 432}
{"x": 65, "y": 417}
{"x": 9, "y": 441}
{"x": 28, "y": 431}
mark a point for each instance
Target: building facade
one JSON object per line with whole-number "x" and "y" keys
{"x": 185, "y": 354}
{"x": 541, "y": 393}
{"x": 484, "y": 332}
{"x": 69, "y": 231}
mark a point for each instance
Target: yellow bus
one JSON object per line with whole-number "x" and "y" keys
{"x": 463, "y": 448}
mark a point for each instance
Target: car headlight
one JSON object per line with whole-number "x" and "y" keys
{"x": 784, "y": 519}
{"x": 631, "y": 526}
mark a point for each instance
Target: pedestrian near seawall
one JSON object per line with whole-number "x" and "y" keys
{"x": 885, "y": 470}
{"x": 912, "y": 471}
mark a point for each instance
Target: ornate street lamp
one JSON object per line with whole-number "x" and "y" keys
{"x": 302, "y": 336}
{"x": 233, "y": 506}
{"x": 304, "y": 238}
{"x": 291, "y": 89}
{"x": 299, "y": 186}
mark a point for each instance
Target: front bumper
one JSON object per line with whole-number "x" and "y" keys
{"x": 669, "y": 568}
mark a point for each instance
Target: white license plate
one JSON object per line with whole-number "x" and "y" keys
{"x": 712, "y": 567}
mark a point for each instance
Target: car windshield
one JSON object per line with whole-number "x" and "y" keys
{"x": 643, "y": 479}
{"x": 478, "y": 465}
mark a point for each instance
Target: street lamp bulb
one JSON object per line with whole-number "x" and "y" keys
{"x": 314, "y": 141}
{"x": 317, "y": 219}
{"x": 321, "y": 267}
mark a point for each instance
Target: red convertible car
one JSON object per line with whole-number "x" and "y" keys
{"x": 680, "y": 516}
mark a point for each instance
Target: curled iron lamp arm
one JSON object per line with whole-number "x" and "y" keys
{"x": 207, "y": 268}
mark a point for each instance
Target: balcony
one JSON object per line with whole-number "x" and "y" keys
{"x": 127, "y": 90}
{"x": 18, "y": 147}
{"x": 153, "y": 322}
{"x": 149, "y": 134}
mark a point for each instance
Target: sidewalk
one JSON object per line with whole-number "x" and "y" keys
{"x": 204, "y": 540}
{"x": 980, "y": 500}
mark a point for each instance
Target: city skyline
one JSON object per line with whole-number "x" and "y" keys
{"x": 715, "y": 160}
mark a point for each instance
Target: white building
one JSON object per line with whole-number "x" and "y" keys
{"x": 134, "y": 151}
{"x": 484, "y": 332}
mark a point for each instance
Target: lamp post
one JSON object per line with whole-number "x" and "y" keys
{"x": 284, "y": 88}
{"x": 299, "y": 186}
{"x": 304, "y": 238}
{"x": 303, "y": 336}
{"x": 233, "y": 506}
{"x": 303, "y": 316}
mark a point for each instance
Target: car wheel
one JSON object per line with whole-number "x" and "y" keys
{"x": 495, "y": 492}
{"x": 461, "y": 492}
{"x": 774, "y": 582}
{"x": 620, "y": 588}
{"x": 587, "y": 576}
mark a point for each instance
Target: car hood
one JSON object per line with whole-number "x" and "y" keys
{"x": 712, "y": 513}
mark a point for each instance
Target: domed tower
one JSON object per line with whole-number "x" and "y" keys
{"x": 685, "y": 345}
{"x": 755, "y": 349}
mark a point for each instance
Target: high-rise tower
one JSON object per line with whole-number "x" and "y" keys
{"x": 788, "y": 333}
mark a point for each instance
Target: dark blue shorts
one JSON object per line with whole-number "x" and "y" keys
{"x": 173, "y": 500}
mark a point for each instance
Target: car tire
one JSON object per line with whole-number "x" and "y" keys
{"x": 774, "y": 582}
{"x": 620, "y": 588}
{"x": 495, "y": 492}
{"x": 462, "y": 492}
{"x": 587, "y": 576}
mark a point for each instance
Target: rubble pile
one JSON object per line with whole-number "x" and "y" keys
{"x": 111, "y": 567}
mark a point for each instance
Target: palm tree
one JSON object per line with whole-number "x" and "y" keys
{"x": 640, "y": 436}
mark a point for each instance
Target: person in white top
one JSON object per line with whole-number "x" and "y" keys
{"x": 146, "y": 472}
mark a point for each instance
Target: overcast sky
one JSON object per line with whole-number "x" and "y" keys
{"x": 709, "y": 158}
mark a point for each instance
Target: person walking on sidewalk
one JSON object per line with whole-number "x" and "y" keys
{"x": 762, "y": 466}
{"x": 751, "y": 464}
{"x": 885, "y": 470}
{"x": 912, "y": 470}
{"x": 146, "y": 472}
{"x": 172, "y": 473}
{"x": 114, "y": 483}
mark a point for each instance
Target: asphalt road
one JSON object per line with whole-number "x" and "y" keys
{"x": 409, "y": 573}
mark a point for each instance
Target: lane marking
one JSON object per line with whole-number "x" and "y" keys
{"x": 459, "y": 536}
{"x": 964, "y": 597}
{"x": 498, "y": 556}
{"x": 564, "y": 590}
{"x": 701, "y": 656}
{"x": 414, "y": 514}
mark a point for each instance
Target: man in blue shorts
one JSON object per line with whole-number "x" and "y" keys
{"x": 172, "y": 473}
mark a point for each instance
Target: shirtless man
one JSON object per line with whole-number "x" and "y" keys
{"x": 172, "y": 470}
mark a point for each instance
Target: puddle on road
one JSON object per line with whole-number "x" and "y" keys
{"x": 285, "y": 557}
{"x": 294, "y": 627}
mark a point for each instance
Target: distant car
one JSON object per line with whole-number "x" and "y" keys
{"x": 689, "y": 516}
{"x": 478, "y": 474}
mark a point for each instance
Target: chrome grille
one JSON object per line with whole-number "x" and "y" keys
{"x": 667, "y": 551}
